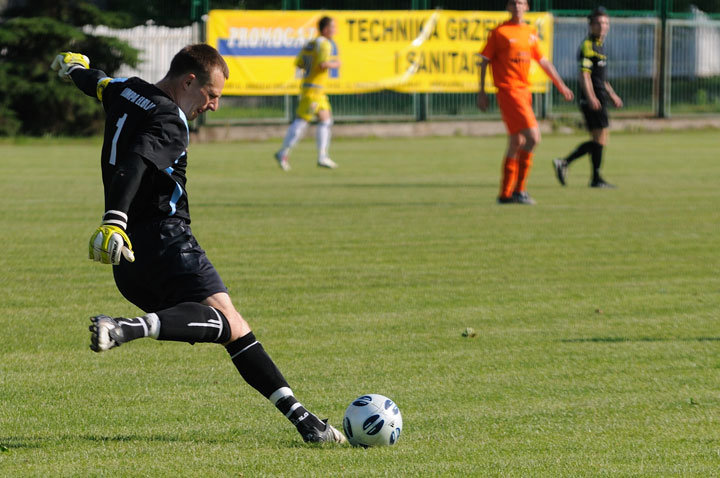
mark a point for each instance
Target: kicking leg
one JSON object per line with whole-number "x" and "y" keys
{"x": 260, "y": 372}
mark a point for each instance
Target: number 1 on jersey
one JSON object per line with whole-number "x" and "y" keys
{"x": 113, "y": 149}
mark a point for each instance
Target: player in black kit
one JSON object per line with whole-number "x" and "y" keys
{"x": 147, "y": 222}
{"x": 595, "y": 91}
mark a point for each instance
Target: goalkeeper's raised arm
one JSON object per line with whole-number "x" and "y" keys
{"x": 110, "y": 241}
{"x": 75, "y": 67}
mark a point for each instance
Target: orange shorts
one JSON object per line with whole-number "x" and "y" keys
{"x": 516, "y": 109}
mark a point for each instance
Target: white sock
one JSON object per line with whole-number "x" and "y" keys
{"x": 279, "y": 394}
{"x": 153, "y": 322}
{"x": 294, "y": 133}
{"x": 323, "y": 138}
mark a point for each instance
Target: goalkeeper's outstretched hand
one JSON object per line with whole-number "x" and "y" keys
{"x": 108, "y": 243}
{"x": 67, "y": 61}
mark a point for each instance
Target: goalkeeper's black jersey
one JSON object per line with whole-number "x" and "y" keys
{"x": 142, "y": 120}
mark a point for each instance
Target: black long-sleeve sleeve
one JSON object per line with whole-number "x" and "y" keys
{"x": 125, "y": 184}
{"x": 87, "y": 80}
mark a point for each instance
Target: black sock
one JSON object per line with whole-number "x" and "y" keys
{"x": 255, "y": 365}
{"x": 135, "y": 328}
{"x": 581, "y": 150}
{"x": 297, "y": 414}
{"x": 261, "y": 373}
{"x": 192, "y": 322}
{"x": 596, "y": 158}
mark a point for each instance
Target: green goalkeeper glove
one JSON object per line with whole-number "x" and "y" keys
{"x": 67, "y": 61}
{"x": 108, "y": 243}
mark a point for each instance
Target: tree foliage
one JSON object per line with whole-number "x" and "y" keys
{"x": 176, "y": 13}
{"x": 33, "y": 99}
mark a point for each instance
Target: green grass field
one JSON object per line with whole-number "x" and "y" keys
{"x": 596, "y": 311}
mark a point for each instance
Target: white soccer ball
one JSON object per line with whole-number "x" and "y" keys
{"x": 372, "y": 420}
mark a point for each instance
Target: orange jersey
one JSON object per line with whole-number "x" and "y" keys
{"x": 509, "y": 48}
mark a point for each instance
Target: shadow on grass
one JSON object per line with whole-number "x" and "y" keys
{"x": 164, "y": 438}
{"x": 323, "y": 204}
{"x": 448, "y": 185}
{"x": 8, "y": 444}
{"x": 12, "y": 443}
{"x": 17, "y": 442}
{"x": 638, "y": 339}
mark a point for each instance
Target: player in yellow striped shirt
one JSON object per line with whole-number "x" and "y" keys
{"x": 315, "y": 62}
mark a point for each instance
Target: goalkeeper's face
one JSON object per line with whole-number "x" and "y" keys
{"x": 197, "y": 98}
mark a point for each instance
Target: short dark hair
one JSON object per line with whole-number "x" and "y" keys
{"x": 199, "y": 59}
{"x": 323, "y": 22}
{"x": 599, "y": 11}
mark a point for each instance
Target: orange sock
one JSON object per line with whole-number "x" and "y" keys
{"x": 525, "y": 160}
{"x": 509, "y": 178}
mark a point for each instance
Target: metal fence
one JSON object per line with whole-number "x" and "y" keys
{"x": 692, "y": 80}
{"x": 157, "y": 45}
{"x": 686, "y": 82}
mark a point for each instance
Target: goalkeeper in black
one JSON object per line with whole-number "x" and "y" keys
{"x": 595, "y": 92}
{"x": 145, "y": 231}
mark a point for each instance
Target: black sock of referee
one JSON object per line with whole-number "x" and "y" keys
{"x": 261, "y": 373}
{"x": 596, "y": 157}
{"x": 581, "y": 150}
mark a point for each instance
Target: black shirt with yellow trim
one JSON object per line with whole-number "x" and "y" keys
{"x": 592, "y": 59}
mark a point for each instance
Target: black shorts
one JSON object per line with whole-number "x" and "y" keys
{"x": 170, "y": 267}
{"x": 594, "y": 119}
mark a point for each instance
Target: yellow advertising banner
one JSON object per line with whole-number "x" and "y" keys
{"x": 413, "y": 51}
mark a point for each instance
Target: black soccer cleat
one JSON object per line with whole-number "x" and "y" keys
{"x": 105, "y": 333}
{"x": 503, "y": 200}
{"x": 560, "y": 167}
{"x": 522, "y": 197}
{"x": 601, "y": 184}
{"x": 329, "y": 435}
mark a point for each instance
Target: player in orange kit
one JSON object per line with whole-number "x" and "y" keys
{"x": 509, "y": 49}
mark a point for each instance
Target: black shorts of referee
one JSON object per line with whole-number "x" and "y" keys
{"x": 170, "y": 267}
{"x": 594, "y": 119}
